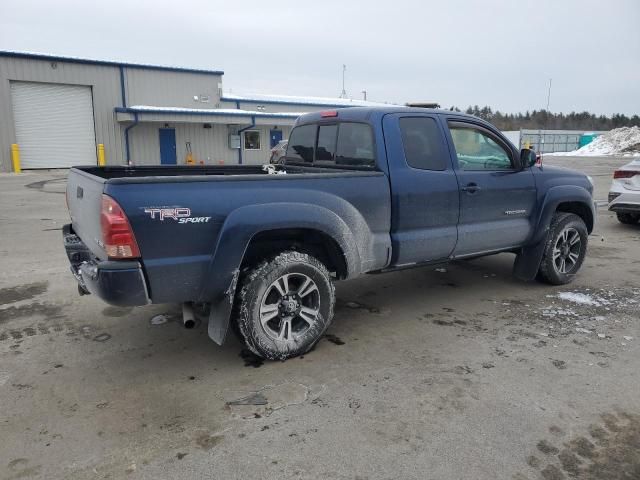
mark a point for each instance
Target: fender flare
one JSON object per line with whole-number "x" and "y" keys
{"x": 556, "y": 196}
{"x": 529, "y": 258}
{"x": 219, "y": 286}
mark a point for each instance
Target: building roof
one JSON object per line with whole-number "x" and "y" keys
{"x": 111, "y": 63}
{"x": 299, "y": 100}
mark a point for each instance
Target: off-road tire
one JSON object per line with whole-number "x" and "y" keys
{"x": 256, "y": 283}
{"x": 628, "y": 218}
{"x": 549, "y": 272}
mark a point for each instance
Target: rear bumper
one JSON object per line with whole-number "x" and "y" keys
{"x": 623, "y": 199}
{"x": 625, "y": 208}
{"x": 120, "y": 283}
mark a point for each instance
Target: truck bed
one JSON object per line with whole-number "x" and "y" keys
{"x": 156, "y": 173}
{"x": 177, "y": 257}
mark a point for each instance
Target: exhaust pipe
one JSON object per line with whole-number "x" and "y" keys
{"x": 188, "y": 318}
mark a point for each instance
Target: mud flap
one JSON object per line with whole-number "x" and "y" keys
{"x": 220, "y": 314}
{"x": 528, "y": 261}
{"x": 219, "y": 318}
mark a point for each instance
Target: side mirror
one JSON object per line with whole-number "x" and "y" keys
{"x": 528, "y": 157}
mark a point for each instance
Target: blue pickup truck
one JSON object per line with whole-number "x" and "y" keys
{"x": 362, "y": 190}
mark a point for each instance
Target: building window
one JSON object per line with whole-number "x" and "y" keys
{"x": 252, "y": 140}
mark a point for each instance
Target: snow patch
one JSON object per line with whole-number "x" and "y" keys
{"x": 579, "y": 298}
{"x": 620, "y": 141}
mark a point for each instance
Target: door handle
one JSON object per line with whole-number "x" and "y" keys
{"x": 471, "y": 188}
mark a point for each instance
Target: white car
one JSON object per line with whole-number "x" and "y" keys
{"x": 624, "y": 195}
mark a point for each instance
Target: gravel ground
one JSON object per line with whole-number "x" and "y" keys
{"x": 454, "y": 373}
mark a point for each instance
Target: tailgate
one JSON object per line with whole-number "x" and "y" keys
{"x": 84, "y": 196}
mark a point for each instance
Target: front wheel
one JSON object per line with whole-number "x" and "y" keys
{"x": 565, "y": 249}
{"x": 285, "y": 305}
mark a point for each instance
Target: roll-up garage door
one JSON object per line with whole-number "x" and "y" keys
{"x": 54, "y": 124}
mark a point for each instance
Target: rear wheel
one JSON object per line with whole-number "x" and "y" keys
{"x": 628, "y": 218}
{"x": 285, "y": 305}
{"x": 565, "y": 249}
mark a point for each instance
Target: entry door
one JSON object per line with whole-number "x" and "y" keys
{"x": 276, "y": 136}
{"x": 424, "y": 189}
{"x": 168, "y": 146}
{"x": 497, "y": 199}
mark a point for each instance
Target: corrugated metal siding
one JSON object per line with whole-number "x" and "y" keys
{"x": 171, "y": 89}
{"x": 54, "y": 124}
{"x": 259, "y": 157}
{"x": 210, "y": 145}
{"x": 151, "y": 87}
{"x": 105, "y": 83}
{"x": 274, "y": 107}
{"x": 207, "y": 144}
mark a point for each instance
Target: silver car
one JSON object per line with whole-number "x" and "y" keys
{"x": 278, "y": 152}
{"x": 624, "y": 195}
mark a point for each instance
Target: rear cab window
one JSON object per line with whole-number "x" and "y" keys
{"x": 301, "y": 144}
{"x": 340, "y": 144}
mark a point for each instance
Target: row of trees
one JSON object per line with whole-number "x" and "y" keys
{"x": 553, "y": 121}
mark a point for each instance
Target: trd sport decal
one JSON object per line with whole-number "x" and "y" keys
{"x": 180, "y": 214}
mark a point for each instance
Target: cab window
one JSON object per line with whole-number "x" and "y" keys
{"x": 476, "y": 150}
{"x": 355, "y": 145}
{"x": 422, "y": 143}
{"x": 343, "y": 144}
{"x": 301, "y": 144}
{"x": 326, "y": 149}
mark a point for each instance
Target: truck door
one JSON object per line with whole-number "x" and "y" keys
{"x": 424, "y": 189}
{"x": 497, "y": 198}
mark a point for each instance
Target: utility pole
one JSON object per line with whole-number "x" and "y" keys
{"x": 344, "y": 92}
{"x": 364, "y": 93}
{"x": 549, "y": 95}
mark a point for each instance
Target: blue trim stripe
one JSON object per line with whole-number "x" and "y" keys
{"x": 86, "y": 61}
{"x": 123, "y": 90}
{"x": 212, "y": 113}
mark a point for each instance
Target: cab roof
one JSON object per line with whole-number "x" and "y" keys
{"x": 370, "y": 114}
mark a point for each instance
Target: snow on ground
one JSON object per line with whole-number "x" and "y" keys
{"x": 580, "y": 298}
{"x": 620, "y": 141}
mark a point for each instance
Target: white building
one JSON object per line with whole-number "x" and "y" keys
{"x": 58, "y": 109}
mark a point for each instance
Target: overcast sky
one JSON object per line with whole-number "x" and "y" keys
{"x": 489, "y": 52}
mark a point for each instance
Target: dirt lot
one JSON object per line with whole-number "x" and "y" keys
{"x": 462, "y": 373}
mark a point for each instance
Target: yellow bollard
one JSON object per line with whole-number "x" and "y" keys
{"x": 15, "y": 158}
{"x": 101, "y": 159}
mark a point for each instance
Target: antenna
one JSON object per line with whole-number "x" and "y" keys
{"x": 344, "y": 92}
{"x": 364, "y": 94}
{"x": 540, "y": 134}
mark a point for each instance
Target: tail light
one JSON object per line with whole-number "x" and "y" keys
{"x": 329, "y": 114}
{"x": 117, "y": 235}
{"x": 625, "y": 173}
